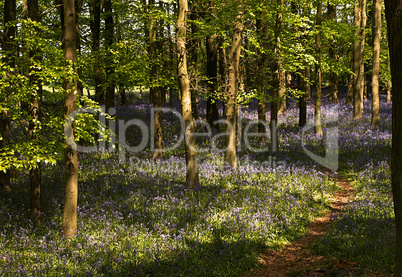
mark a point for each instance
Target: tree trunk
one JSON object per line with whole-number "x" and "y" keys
{"x": 223, "y": 73}
{"x": 193, "y": 58}
{"x": 184, "y": 85}
{"x": 317, "y": 106}
{"x": 212, "y": 71}
{"x": 10, "y": 48}
{"x": 109, "y": 39}
{"x": 233, "y": 87}
{"x": 358, "y": 59}
{"x": 333, "y": 52}
{"x": 260, "y": 71}
{"x": 95, "y": 29}
{"x": 71, "y": 157}
{"x": 394, "y": 22}
{"x": 389, "y": 83}
{"x": 302, "y": 103}
{"x": 375, "y": 117}
{"x": 155, "y": 89}
{"x": 33, "y": 128}
{"x": 278, "y": 78}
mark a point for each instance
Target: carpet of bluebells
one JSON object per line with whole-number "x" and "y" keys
{"x": 137, "y": 218}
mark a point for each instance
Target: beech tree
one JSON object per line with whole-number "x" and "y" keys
{"x": 184, "y": 86}
{"x": 358, "y": 58}
{"x": 317, "y": 102}
{"x": 71, "y": 155}
{"x": 375, "y": 118}
{"x": 394, "y": 23}
{"x": 233, "y": 87}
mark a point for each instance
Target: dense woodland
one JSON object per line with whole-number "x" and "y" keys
{"x": 87, "y": 84}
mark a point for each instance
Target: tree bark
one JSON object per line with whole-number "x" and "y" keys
{"x": 278, "y": 78}
{"x": 184, "y": 85}
{"x": 95, "y": 28}
{"x": 317, "y": 106}
{"x": 71, "y": 157}
{"x": 212, "y": 72}
{"x": 393, "y": 15}
{"x": 333, "y": 52}
{"x": 10, "y": 48}
{"x": 34, "y": 123}
{"x": 233, "y": 87}
{"x": 260, "y": 71}
{"x": 358, "y": 59}
{"x": 194, "y": 43}
{"x": 109, "y": 39}
{"x": 302, "y": 103}
{"x": 375, "y": 116}
{"x": 155, "y": 89}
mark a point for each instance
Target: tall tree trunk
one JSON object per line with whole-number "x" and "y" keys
{"x": 389, "y": 83}
{"x": 10, "y": 48}
{"x": 33, "y": 128}
{"x": 71, "y": 157}
{"x": 394, "y": 22}
{"x": 155, "y": 89}
{"x": 358, "y": 59}
{"x": 233, "y": 87}
{"x": 317, "y": 106}
{"x": 96, "y": 11}
{"x": 212, "y": 72}
{"x": 333, "y": 52}
{"x": 375, "y": 117}
{"x": 302, "y": 103}
{"x": 278, "y": 78}
{"x": 223, "y": 73}
{"x": 349, "y": 90}
{"x": 193, "y": 58}
{"x": 109, "y": 39}
{"x": 261, "y": 78}
{"x": 184, "y": 84}
{"x": 308, "y": 79}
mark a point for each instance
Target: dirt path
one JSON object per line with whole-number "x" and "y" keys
{"x": 296, "y": 259}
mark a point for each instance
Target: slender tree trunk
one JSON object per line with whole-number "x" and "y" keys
{"x": 233, "y": 87}
{"x": 33, "y": 128}
{"x": 394, "y": 22}
{"x": 261, "y": 78}
{"x": 317, "y": 106}
{"x": 212, "y": 72}
{"x": 375, "y": 118}
{"x": 95, "y": 28}
{"x": 193, "y": 58}
{"x": 223, "y": 73}
{"x": 308, "y": 79}
{"x": 358, "y": 59}
{"x": 155, "y": 89}
{"x": 10, "y": 48}
{"x": 184, "y": 84}
{"x": 302, "y": 103}
{"x": 71, "y": 157}
{"x": 278, "y": 78}
{"x": 333, "y": 52}
{"x": 109, "y": 39}
{"x": 389, "y": 83}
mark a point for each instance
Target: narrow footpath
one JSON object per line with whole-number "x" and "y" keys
{"x": 296, "y": 258}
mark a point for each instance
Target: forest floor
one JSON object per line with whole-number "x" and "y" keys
{"x": 297, "y": 258}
